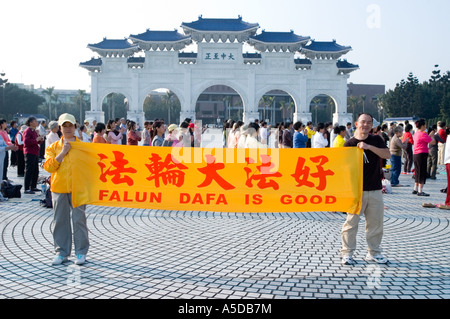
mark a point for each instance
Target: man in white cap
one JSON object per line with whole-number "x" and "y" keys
{"x": 58, "y": 159}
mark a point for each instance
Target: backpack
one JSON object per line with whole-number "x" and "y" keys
{"x": 9, "y": 190}
{"x": 167, "y": 143}
{"x": 47, "y": 202}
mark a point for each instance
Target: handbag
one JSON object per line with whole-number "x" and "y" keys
{"x": 10, "y": 191}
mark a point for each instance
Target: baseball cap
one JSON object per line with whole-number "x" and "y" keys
{"x": 172, "y": 127}
{"x": 66, "y": 117}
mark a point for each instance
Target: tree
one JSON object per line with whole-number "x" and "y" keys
{"x": 49, "y": 93}
{"x": 19, "y": 101}
{"x": 168, "y": 101}
{"x": 352, "y": 102}
{"x": 81, "y": 96}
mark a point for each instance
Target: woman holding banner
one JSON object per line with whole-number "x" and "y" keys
{"x": 57, "y": 163}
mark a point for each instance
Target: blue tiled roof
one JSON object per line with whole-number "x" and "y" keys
{"x": 279, "y": 37}
{"x": 92, "y": 62}
{"x": 160, "y": 36}
{"x": 346, "y": 65}
{"x": 107, "y": 44}
{"x": 330, "y": 46}
{"x": 235, "y": 25}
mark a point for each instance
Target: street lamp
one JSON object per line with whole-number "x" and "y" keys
{"x": 3, "y": 85}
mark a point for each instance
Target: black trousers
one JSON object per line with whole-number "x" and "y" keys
{"x": 420, "y": 167}
{"x": 31, "y": 171}
{"x": 20, "y": 163}
{"x": 5, "y": 166}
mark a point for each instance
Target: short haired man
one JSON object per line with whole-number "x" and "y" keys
{"x": 372, "y": 199}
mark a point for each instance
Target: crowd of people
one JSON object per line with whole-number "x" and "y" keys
{"x": 418, "y": 149}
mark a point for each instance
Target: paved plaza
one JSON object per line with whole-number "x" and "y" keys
{"x": 201, "y": 255}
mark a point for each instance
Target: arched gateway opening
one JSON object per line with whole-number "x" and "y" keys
{"x": 276, "y": 106}
{"x": 162, "y": 104}
{"x": 322, "y": 108}
{"x": 115, "y": 105}
{"x": 217, "y": 104}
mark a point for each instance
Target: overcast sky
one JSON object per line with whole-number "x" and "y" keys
{"x": 43, "y": 42}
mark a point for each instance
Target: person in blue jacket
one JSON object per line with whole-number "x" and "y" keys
{"x": 300, "y": 135}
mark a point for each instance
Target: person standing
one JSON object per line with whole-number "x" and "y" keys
{"x": 58, "y": 158}
{"x": 300, "y": 135}
{"x": 320, "y": 139}
{"x": 421, "y": 141}
{"x": 441, "y": 146}
{"x": 12, "y": 136}
{"x": 31, "y": 149}
{"x": 20, "y": 157}
{"x": 133, "y": 136}
{"x": 52, "y": 136}
{"x": 432, "y": 161}
{"x": 395, "y": 147}
{"x": 372, "y": 199}
{"x": 408, "y": 139}
{"x": 287, "y": 136}
{"x": 446, "y": 205}
{"x": 158, "y": 132}
{"x": 41, "y": 132}
{"x": 99, "y": 132}
{"x": 4, "y": 147}
{"x": 4, "y": 134}
{"x": 310, "y": 132}
{"x": 340, "y": 132}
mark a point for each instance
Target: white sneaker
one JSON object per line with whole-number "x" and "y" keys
{"x": 81, "y": 259}
{"x": 377, "y": 258}
{"x": 58, "y": 260}
{"x": 348, "y": 260}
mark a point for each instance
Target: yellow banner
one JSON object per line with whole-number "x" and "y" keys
{"x": 220, "y": 180}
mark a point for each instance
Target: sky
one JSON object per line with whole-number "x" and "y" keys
{"x": 43, "y": 42}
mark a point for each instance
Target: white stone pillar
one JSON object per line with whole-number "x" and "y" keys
{"x": 96, "y": 112}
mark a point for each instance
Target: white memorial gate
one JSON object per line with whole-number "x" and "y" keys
{"x": 298, "y": 65}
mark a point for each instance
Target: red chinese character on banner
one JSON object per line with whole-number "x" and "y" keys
{"x": 264, "y": 173}
{"x": 210, "y": 170}
{"x": 302, "y": 173}
{"x": 119, "y": 164}
{"x": 169, "y": 171}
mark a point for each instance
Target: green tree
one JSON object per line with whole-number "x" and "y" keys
{"x": 19, "y": 100}
{"x": 50, "y": 96}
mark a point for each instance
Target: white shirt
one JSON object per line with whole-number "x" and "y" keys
{"x": 447, "y": 154}
{"x": 319, "y": 141}
{"x": 51, "y": 138}
{"x": 252, "y": 142}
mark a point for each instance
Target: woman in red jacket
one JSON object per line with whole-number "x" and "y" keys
{"x": 31, "y": 148}
{"x": 408, "y": 138}
{"x": 133, "y": 137}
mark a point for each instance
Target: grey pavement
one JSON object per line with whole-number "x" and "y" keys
{"x": 156, "y": 254}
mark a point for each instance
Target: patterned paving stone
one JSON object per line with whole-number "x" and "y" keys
{"x": 188, "y": 254}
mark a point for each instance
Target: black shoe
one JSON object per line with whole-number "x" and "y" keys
{"x": 414, "y": 192}
{"x": 36, "y": 190}
{"x": 423, "y": 194}
{"x": 20, "y": 175}
{"x": 29, "y": 192}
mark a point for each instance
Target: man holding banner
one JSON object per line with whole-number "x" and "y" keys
{"x": 372, "y": 200}
{"x": 59, "y": 162}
